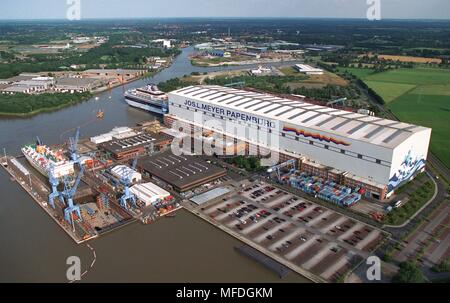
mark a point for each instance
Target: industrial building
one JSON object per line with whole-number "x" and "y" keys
{"x": 115, "y": 133}
{"x": 76, "y": 84}
{"x": 123, "y": 171}
{"x": 149, "y": 193}
{"x": 32, "y": 84}
{"x": 308, "y": 70}
{"x": 371, "y": 153}
{"x": 127, "y": 147}
{"x": 120, "y": 75}
{"x": 181, "y": 172}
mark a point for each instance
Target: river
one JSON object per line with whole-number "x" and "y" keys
{"x": 180, "y": 249}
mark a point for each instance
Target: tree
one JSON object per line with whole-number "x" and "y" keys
{"x": 408, "y": 273}
{"x": 444, "y": 266}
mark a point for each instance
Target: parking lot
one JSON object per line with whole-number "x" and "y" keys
{"x": 306, "y": 235}
{"x": 429, "y": 244}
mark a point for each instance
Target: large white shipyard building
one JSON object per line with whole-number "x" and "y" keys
{"x": 354, "y": 149}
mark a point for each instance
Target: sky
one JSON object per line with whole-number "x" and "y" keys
{"x": 390, "y": 9}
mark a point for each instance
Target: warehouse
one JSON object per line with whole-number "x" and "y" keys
{"x": 123, "y": 171}
{"x": 126, "y": 147}
{"x": 369, "y": 152}
{"x": 149, "y": 193}
{"x": 308, "y": 70}
{"x": 181, "y": 172}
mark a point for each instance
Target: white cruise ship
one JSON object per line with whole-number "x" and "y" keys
{"x": 148, "y": 98}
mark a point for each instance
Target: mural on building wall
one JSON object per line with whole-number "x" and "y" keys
{"x": 301, "y": 132}
{"x": 408, "y": 168}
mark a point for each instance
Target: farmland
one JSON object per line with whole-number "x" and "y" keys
{"x": 410, "y": 59}
{"x": 312, "y": 81}
{"x": 419, "y": 96}
{"x": 389, "y": 91}
{"x": 358, "y": 72}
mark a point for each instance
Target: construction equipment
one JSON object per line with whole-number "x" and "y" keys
{"x": 128, "y": 197}
{"x": 340, "y": 100}
{"x": 54, "y": 182}
{"x": 68, "y": 194}
{"x": 73, "y": 143}
{"x": 277, "y": 168}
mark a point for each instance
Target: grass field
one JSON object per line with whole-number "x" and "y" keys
{"x": 361, "y": 73}
{"x": 416, "y": 76}
{"x": 442, "y": 90}
{"x": 420, "y": 96}
{"x": 389, "y": 91}
{"x": 427, "y": 110}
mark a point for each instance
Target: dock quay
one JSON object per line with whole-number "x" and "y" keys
{"x": 89, "y": 191}
{"x": 36, "y": 189}
{"x": 314, "y": 241}
{"x": 253, "y": 245}
{"x": 254, "y": 254}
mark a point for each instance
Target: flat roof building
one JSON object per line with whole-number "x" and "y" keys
{"x": 76, "y": 84}
{"x": 149, "y": 193}
{"x": 123, "y": 171}
{"x": 374, "y": 149}
{"x": 308, "y": 69}
{"x": 181, "y": 172}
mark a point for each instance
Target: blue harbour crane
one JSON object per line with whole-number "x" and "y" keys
{"x": 128, "y": 198}
{"x": 54, "y": 182}
{"x": 68, "y": 194}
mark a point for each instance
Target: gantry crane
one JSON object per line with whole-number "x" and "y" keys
{"x": 125, "y": 179}
{"x": 54, "y": 182}
{"x": 277, "y": 168}
{"x": 68, "y": 194}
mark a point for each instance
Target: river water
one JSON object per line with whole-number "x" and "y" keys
{"x": 33, "y": 248}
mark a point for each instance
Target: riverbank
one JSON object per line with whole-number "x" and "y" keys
{"x": 200, "y": 63}
{"x": 88, "y": 96}
{"x": 27, "y": 99}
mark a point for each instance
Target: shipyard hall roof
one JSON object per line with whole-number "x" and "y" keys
{"x": 370, "y": 129}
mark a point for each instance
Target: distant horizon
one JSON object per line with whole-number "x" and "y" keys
{"x": 218, "y": 17}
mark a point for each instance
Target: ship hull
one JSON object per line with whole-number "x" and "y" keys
{"x": 159, "y": 110}
{"x": 35, "y": 165}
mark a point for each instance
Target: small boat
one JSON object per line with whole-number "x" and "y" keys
{"x": 100, "y": 114}
{"x": 97, "y": 98}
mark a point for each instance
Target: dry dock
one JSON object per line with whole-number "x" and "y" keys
{"x": 81, "y": 230}
{"x": 35, "y": 188}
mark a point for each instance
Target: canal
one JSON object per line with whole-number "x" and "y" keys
{"x": 180, "y": 249}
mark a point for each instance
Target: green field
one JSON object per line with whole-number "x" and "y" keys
{"x": 417, "y": 76}
{"x": 419, "y": 96}
{"x": 389, "y": 91}
{"x": 361, "y": 73}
